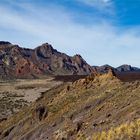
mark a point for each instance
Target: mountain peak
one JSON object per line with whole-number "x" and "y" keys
{"x": 5, "y": 43}
{"x": 77, "y": 55}
{"x": 47, "y": 45}
{"x": 126, "y": 67}
{"x": 46, "y": 48}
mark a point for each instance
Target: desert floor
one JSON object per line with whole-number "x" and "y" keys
{"x": 19, "y": 93}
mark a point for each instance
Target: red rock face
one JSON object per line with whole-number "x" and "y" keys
{"x": 20, "y": 62}
{"x": 25, "y": 67}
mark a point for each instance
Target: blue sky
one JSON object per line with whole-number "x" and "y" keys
{"x": 102, "y": 31}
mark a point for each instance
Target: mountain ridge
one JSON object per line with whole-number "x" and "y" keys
{"x": 19, "y": 62}
{"x": 44, "y": 60}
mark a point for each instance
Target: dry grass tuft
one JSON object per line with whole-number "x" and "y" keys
{"x": 126, "y": 131}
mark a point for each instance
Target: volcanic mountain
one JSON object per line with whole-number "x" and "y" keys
{"x": 17, "y": 62}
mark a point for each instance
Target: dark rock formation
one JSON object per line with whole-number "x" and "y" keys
{"x": 41, "y": 112}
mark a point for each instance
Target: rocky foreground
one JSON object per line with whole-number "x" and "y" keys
{"x": 99, "y": 107}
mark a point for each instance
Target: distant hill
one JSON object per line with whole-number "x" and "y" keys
{"x": 103, "y": 69}
{"x": 127, "y": 68}
{"x": 122, "y": 68}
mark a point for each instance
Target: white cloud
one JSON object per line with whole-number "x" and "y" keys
{"x": 98, "y": 43}
{"x": 97, "y": 3}
{"x": 103, "y": 6}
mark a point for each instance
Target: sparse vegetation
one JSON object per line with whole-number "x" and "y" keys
{"x": 126, "y": 131}
{"x": 11, "y": 103}
{"x": 98, "y": 108}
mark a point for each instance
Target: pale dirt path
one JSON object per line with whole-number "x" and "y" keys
{"x": 30, "y": 89}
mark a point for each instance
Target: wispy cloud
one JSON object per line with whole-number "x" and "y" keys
{"x": 98, "y": 43}
{"x": 104, "y": 6}
{"x": 95, "y": 2}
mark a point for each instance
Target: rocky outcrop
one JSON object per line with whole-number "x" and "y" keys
{"x": 40, "y": 112}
